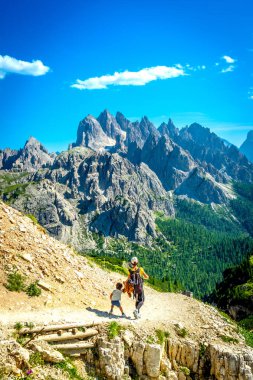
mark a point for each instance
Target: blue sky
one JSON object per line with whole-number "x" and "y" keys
{"x": 191, "y": 60}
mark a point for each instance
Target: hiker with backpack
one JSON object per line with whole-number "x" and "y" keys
{"x": 135, "y": 279}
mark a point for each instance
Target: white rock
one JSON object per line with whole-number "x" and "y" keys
{"x": 44, "y": 285}
{"x": 28, "y": 257}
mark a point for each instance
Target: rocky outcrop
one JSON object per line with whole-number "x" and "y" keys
{"x": 30, "y": 158}
{"x": 111, "y": 358}
{"x": 102, "y": 192}
{"x": 247, "y": 147}
{"x": 13, "y": 358}
{"x": 47, "y": 352}
{"x": 202, "y": 187}
{"x": 169, "y": 161}
{"x": 7, "y": 158}
{"x": 176, "y": 359}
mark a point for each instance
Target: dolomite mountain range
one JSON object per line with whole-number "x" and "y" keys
{"x": 118, "y": 173}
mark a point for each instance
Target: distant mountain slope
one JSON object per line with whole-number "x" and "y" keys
{"x": 247, "y": 147}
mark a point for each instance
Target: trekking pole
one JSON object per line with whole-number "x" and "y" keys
{"x": 36, "y": 334}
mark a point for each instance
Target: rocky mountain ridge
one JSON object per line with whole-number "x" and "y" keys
{"x": 118, "y": 173}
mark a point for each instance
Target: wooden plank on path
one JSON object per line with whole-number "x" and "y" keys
{"x": 74, "y": 347}
{"x": 69, "y": 336}
{"x": 49, "y": 328}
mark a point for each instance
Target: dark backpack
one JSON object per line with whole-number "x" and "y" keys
{"x": 136, "y": 281}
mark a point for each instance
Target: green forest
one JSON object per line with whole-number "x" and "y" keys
{"x": 192, "y": 250}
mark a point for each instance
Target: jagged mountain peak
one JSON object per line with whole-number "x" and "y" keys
{"x": 109, "y": 124}
{"x": 168, "y": 129}
{"x": 122, "y": 121}
{"x": 33, "y": 143}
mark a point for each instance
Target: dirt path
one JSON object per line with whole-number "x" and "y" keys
{"x": 161, "y": 310}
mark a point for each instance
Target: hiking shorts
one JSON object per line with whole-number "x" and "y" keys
{"x": 116, "y": 303}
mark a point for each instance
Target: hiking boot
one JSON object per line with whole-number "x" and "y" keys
{"x": 123, "y": 315}
{"x": 135, "y": 313}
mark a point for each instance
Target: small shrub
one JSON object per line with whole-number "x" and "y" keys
{"x": 33, "y": 290}
{"x": 229, "y": 339}
{"x": 113, "y": 330}
{"x": 15, "y": 282}
{"x": 185, "y": 370}
{"x": 30, "y": 325}
{"x": 18, "y": 326}
{"x": 182, "y": 332}
{"x": 202, "y": 350}
{"x": 36, "y": 359}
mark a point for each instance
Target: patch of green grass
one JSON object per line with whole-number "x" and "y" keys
{"x": 113, "y": 330}
{"x": 36, "y": 359}
{"x": 33, "y": 290}
{"x": 225, "y": 316}
{"x": 68, "y": 367}
{"x": 15, "y": 282}
{"x": 229, "y": 339}
{"x": 162, "y": 335}
{"x": 21, "y": 339}
{"x": 33, "y": 218}
{"x": 248, "y": 335}
{"x": 150, "y": 339}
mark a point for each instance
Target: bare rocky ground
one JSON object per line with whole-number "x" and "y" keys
{"x": 75, "y": 290}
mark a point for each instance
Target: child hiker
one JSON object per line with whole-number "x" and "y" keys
{"x": 116, "y": 297}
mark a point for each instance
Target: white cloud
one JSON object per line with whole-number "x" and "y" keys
{"x": 229, "y": 59}
{"x": 130, "y": 78}
{"x": 250, "y": 93}
{"x": 228, "y": 69}
{"x": 9, "y": 65}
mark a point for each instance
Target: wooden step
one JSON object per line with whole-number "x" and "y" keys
{"x": 77, "y": 348}
{"x": 49, "y": 328}
{"x": 69, "y": 336}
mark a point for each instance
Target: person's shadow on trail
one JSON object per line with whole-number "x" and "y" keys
{"x": 101, "y": 313}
